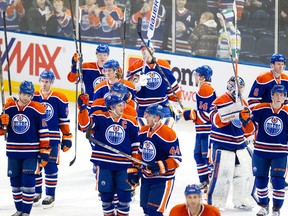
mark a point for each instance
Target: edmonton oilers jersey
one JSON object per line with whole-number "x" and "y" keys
{"x": 27, "y": 130}
{"x": 271, "y": 139}
{"x": 121, "y": 134}
{"x": 56, "y": 106}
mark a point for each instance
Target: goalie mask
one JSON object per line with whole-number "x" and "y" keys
{"x": 232, "y": 86}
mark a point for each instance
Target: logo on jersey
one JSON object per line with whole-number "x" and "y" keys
{"x": 98, "y": 80}
{"x": 149, "y": 151}
{"x": 273, "y": 126}
{"x": 154, "y": 80}
{"x": 237, "y": 123}
{"x": 49, "y": 111}
{"x": 20, "y": 124}
{"x": 115, "y": 134}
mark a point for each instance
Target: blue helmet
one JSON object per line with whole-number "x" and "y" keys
{"x": 205, "y": 71}
{"x": 277, "y": 58}
{"x": 102, "y": 48}
{"x": 27, "y": 87}
{"x": 121, "y": 89}
{"x": 111, "y": 64}
{"x": 279, "y": 89}
{"x": 192, "y": 189}
{"x": 156, "y": 110}
{"x": 113, "y": 100}
{"x": 46, "y": 74}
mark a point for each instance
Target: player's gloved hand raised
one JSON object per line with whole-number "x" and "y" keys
{"x": 157, "y": 167}
{"x": 83, "y": 100}
{"x": 133, "y": 176}
{"x": 74, "y": 61}
{"x": 4, "y": 119}
{"x": 245, "y": 116}
{"x": 66, "y": 142}
{"x": 43, "y": 156}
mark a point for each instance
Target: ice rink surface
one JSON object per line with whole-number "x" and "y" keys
{"x": 76, "y": 195}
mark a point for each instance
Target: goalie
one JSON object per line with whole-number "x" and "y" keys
{"x": 232, "y": 161}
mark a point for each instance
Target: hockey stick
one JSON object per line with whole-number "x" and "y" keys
{"x": 88, "y": 136}
{"x": 236, "y": 35}
{"x": 124, "y": 45}
{"x": 7, "y": 51}
{"x": 2, "y": 95}
{"x": 139, "y": 24}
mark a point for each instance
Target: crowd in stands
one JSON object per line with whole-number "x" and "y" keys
{"x": 199, "y": 30}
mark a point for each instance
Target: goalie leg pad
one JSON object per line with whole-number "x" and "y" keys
{"x": 243, "y": 180}
{"x": 222, "y": 178}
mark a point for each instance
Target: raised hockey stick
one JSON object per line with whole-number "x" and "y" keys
{"x": 2, "y": 95}
{"x": 139, "y": 24}
{"x": 124, "y": 45}
{"x": 236, "y": 35}
{"x": 88, "y": 136}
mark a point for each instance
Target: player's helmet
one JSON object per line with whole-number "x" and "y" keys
{"x": 46, "y": 74}
{"x": 121, "y": 89}
{"x": 277, "y": 58}
{"x": 156, "y": 110}
{"x": 102, "y": 48}
{"x": 231, "y": 85}
{"x": 26, "y": 87}
{"x": 192, "y": 189}
{"x": 279, "y": 89}
{"x": 113, "y": 100}
{"x": 205, "y": 71}
{"x": 111, "y": 64}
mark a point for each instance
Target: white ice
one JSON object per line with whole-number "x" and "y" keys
{"x": 76, "y": 194}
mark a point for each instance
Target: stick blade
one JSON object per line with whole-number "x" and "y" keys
{"x": 73, "y": 161}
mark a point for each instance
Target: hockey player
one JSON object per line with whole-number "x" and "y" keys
{"x": 92, "y": 71}
{"x": 119, "y": 131}
{"x": 270, "y": 149}
{"x": 261, "y": 88}
{"x": 57, "y": 112}
{"x": 232, "y": 162}
{"x": 204, "y": 98}
{"x": 159, "y": 147}
{"x": 27, "y": 145}
{"x": 152, "y": 87}
{"x": 193, "y": 205}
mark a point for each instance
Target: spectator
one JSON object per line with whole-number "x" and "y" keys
{"x": 185, "y": 21}
{"x": 90, "y": 20}
{"x": 14, "y": 13}
{"x": 145, "y": 13}
{"x": 229, "y": 39}
{"x": 203, "y": 39}
{"x": 252, "y": 5}
{"x": 216, "y": 6}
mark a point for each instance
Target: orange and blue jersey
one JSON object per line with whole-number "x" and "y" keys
{"x": 160, "y": 144}
{"x": 261, "y": 88}
{"x": 157, "y": 90}
{"x": 271, "y": 137}
{"x": 57, "y": 114}
{"x": 183, "y": 210}
{"x": 27, "y": 130}
{"x": 120, "y": 133}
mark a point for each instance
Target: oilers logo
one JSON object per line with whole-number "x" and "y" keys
{"x": 237, "y": 123}
{"x": 98, "y": 80}
{"x": 49, "y": 111}
{"x": 149, "y": 151}
{"x": 115, "y": 134}
{"x": 85, "y": 22}
{"x": 273, "y": 126}
{"x": 154, "y": 80}
{"x": 20, "y": 124}
{"x": 105, "y": 25}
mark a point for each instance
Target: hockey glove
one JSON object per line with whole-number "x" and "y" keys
{"x": 4, "y": 119}
{"x": 245, "y": 116}
{"x": 157, "y": 167}
{"x": 74, "y": 61}
{"x": 133, "y": 176}
{"x": 83, "y": 100}
{"x": 66, "y": 142}
{"x": 43, "y": 156}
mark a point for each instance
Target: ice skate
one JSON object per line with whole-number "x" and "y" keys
{"x": 25, "y": 214}
{"x": 18, "y": 213}
{"x": 37, "y": 199}
{"x": 263, "y": 211}
{"x": 204, "y": 186}
{"x": 275, "y": 211}
{"x": 48, "y": 202}
{"x": 244, "y": 207}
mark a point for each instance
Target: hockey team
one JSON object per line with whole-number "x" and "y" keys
{"x": 129, "y": 121}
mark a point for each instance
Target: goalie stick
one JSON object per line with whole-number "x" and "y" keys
{"x": 139, "y": 24}
{"x": 88, "y": 136}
